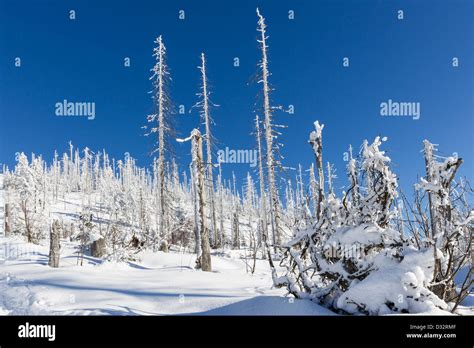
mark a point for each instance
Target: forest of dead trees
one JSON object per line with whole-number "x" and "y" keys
{"x": 302, "y": 227}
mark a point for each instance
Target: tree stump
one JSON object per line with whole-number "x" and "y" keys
{"x": 7, "y": 220}
{"x": 163, "y": 246}
{"x": 70, "y": 233}
{"x": 98, "y": 248}
{"x": 54, "y": 247}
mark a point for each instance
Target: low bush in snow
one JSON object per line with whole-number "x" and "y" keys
{"x": 357, "y": 257}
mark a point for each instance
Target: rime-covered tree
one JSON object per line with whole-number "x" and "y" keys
{"x": 270, "y": 134}
{"x": 316, "y": 142}
{"x": 27, "y": 197}
{"x": 161, "y": 123}
{"x": 204, "y": 105}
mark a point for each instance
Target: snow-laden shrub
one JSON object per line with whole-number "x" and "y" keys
{"x": 398, "y": 283}
{"x": 356, "y": 257}
{"x": 380, "y": 273}
{"x": 449, "y": 232}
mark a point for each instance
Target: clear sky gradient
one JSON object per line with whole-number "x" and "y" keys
{"x": 407, "y": 60}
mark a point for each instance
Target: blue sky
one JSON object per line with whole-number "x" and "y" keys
{"x": 405, "y": 60}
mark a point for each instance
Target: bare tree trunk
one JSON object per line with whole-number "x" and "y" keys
{"x": 428, "y": 152}
{"x": 254, "y": 252}
{"x": 272, "y": 188}
{"x": 205, "y": 261}
{"x": 221, "y": 208}
{"x": 317, "y": 145}
{"x": 439, "y": 204}
{"x": 197, "y": 234}
{"x": 353, "y": 179}
{"x": 29, "y": 232}
{"x": 235, "y": 230}
{"x": 161, "y": 75}
{"x": 7, "y": 220}
{"x": 235, "y": 216}
{"x": 208, "y": 138}
{"x": 161, "y": 146}
{"x": 314, "y": 189}
{"x": 71, "y": 231}
{"x": 329, "y": 174}
{"x": 54, "y": 247}
{"x": 263, "y": 195}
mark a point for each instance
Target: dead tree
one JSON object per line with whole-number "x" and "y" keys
{"x": 204, "y": 261}
{"x": 203, "y": 104}
{"x": 270, "y": 134}
{"x": 316, "y": 142}
{"x": 161, "y": 125}
{"x": 445, "y": 225}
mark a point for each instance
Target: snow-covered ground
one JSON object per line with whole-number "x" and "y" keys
{"x": 158, "y": 284}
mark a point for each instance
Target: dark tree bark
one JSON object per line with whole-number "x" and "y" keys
{"x": 98, "y": 248}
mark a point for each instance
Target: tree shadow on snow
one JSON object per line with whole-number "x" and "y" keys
{"x": 269, "y": 305}
{"x": 90, "y": 260}
{"x": 128, "y": 292}
{"x": 124, "y": 311}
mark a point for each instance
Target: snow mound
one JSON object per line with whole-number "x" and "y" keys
{"x": 155, "y": 284}
{"x": 395, "y": 287}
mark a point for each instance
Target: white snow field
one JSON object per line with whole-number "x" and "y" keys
{"x": 160, "y": 284}
{"x": 156, "y": 284}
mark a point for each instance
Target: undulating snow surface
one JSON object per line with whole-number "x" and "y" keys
{"x": 161, "y": 283}
{"x": 156, "y": 284}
